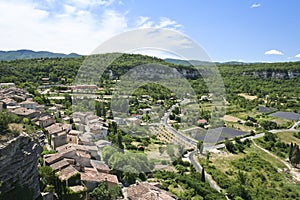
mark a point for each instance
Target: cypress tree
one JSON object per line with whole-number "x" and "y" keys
{"x": 203, "y": 175}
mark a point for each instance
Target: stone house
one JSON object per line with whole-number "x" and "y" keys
{"x": 148, "y": 191}
{"x": 73, "y": 136}
{"x": 29, "y": 104}
{"x": 58, "y": 134}
{"x": 24, "y": 112}
{"x": 91, "y": 178}
{"x": 45, "y": 121}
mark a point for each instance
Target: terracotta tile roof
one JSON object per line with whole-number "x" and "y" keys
{"x": 28, "y": 101}
{"x": 77, "y": 147}
{"x": 74, "y": 132}
{"x": 57, "y": 156}
{"x": 67, "y": 173}
{"x": 77, "y": 188}
{"x": 8, "y": 101}
{"x": 59, "y": 165}
{"x": 100, "y": 165}
{"x": 44, "y": 118}
{"x": 23, "y": 111}
{"x": 202, "y": 121}
{"x": 94, "y": 176}
{"x": 57, "y": 128}
{"x": 83, "y": 154}
{"x": 146, "y": 191}
{"x": 50, "y": 159}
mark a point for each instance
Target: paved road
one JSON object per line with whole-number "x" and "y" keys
{"x": 191, "y": 156}
{"x": 198, "y": 168}
{"x": 191, "y": 141}
{"x": 220, "y": 146}
{"x": 295, "y": 125}
{"x": 292, "y": 129}
{"x": 164, "y": 121}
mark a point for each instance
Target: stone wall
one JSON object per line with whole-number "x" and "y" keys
{"x": 18, "y": 164}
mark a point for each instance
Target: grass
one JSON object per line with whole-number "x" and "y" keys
{"x": 242, "y": 114}
{"x": 223, "y": 161}
{"x": 276, "y": 163}
{"x": 288, "y": 137}
{"x": 238, "y": 126}
{"x": 259, "y": 167}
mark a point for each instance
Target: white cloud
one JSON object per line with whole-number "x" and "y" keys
{"x": 64, "y": 26}
{"x": 90, "y": 3}
{"x": 151, "y": 41}
{"x": 273, "y": 52}
{"x": 24, "y": 26}
{"x": 164, "y": 22}
{"x": 168, "y": 23}
{"x": 255, "y": 5}
{"x": 141, "y": 20}
{"x": 297, "y": 56}
{"x": 69, "y": 9}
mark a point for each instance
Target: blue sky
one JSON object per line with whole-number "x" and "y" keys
{"x": 241, "y": 30}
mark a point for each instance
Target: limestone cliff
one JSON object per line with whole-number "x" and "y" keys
{"x": 18, "y": 164}
{"x": 273, "y": 74}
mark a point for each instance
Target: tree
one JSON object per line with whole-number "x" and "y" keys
{"x": 229, "y": 146}
{"x": 207, "y": 158}
{"x": 269, "y": 137}
{"x": 4, "y": 120}
{"x": 47, "y": 176}
{"x": 120, "y": 141}
{"x": 203, "y": 175}
{"x": 146, "y": 117}
{"x": 100, "y": 109}
{"x": 291, "y": 151}
{"x": 200, "y": 145}
{"x": 130, "y": 175}
{"x": 161, "y": 150}
{"x": 294, "y": 154}
{"x": 103, "y": 192}
{"x": 242, "y": 178}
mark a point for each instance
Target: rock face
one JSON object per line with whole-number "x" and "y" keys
{"x": 18, "y": 164}
{"x": 273, "y": 74}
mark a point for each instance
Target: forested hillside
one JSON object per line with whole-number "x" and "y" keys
{"x": 277, "y": 80}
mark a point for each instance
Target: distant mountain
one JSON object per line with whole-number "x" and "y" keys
{"x": 198, "y": 62}
{"x": 28, "y": 54}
